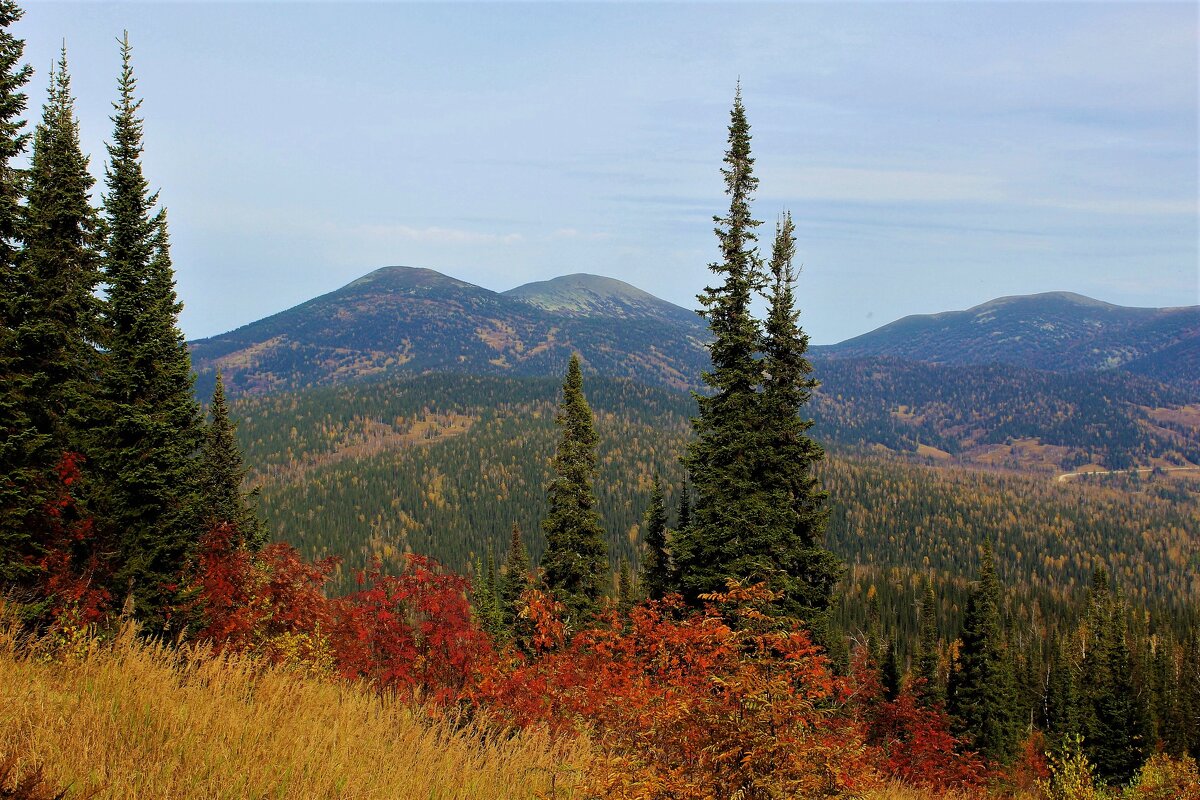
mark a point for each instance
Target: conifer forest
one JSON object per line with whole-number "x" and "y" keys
{"x": 775, "y": 572}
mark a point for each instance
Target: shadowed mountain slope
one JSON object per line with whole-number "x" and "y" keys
{"x": 1057, "y": 331}
{"x": 403, "y": 319}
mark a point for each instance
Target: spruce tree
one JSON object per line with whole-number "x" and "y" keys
{"x": 982, "y": 693}
{"x": 624, "y": 588}
{"x": 685, "y": 507}
{"x": 150, "y": 430}
{"x": 1115, "y": 718}
{"x": 575, "y": 563}
{"x": 62, "y": 261}
{"x": 222, "y": 474}
{"x": 928, "y": 655}
{"x": 487, "y": 601}
{"x": 658, "y": 578}
{"x": 516, "y": 579}
{"x": 759, "y": 514}
{"x": 808, "y": 572}
{"x": 729, "y": 534}
{"x": 891, "y": 672}
{"x": 1061, "y": 706}
{"x": 22, "y": 447}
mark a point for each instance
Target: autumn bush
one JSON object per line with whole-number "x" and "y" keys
{"x": 1165, "y": 778}
{"x": 908, "y": 742}
{"x": 716, "y": 703}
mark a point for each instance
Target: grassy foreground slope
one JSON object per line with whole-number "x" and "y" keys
{"x": 130, "y": 720}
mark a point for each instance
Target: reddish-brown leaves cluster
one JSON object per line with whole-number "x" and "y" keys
{"x": 690, "y": 705}
{"x": 908, "y": 741}
{"x": 71, "y": 570}
{"x": 683, "y": 704}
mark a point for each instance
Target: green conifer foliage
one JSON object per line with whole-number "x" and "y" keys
{"x": 1115, "y": 720}
{"x": 982, "y": 693}
{"x": 808, "y": 572}
{"x": 222, "y": 475}
{"x": 1189, "y": 694}
{"x": 685, "y": 507}
{"x": 658, "y": 579}
{"x": 150, "y": 429}
{"x": 1061, "y": 707}
{"x": 759, "y": 512}
{"x": 575, "y": 563}
{"x": 928, "y": 650}
{"x": 21, "y": 445}
{"x": 516, "y": 579}
{"x": 61, "y": 258}
{"x": 624, "y": 588}
{"x": 892, "y": 673}
{"x": 487, "y": 602}
{"x": 729, "y": 535}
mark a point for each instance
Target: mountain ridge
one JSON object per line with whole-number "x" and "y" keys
{"x": 417, "y": 320}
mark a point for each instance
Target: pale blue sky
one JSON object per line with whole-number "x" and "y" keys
{"x": 934, "y": 155}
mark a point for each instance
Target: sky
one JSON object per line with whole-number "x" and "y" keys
{"x": 933, "y": 156}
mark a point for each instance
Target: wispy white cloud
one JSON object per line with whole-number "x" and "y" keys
{"x": 578, "y": 235}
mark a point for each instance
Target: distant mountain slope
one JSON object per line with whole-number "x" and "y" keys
{"x": 403, "y": 319}
{"x": 1057, "y": 331}
{"x": 584, "y": 295}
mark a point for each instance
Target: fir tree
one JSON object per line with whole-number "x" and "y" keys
{"x": 624, "y": 589}
{"x": 728, "y": 535}
{"x": 891, "y": 672}
{"x": 22, "y": 446}
{"x": 575, "y": 563}
{"x": 808, "y": 572}
{"x": 62, "y": 261}
{"x": 1114, "y": 718}
{"x": 487, "y": 601}
{"x": 1189, "y": 694}
{"x": 1061, "y": 707}
{"x": 928, "y": 651}
{"x": 982, "y": 693}
{"x": 516, "y": 579}
{"x": 150, "y": 429}
{"x": 222, "y": 474}
{"x": 685, "y": 507}
{"x": 658, "y": 578}
{"x": 759, "y": 513}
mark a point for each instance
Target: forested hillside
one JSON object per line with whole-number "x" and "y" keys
{"x": 445, "y": 464}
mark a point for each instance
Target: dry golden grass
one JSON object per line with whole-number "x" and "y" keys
{"x": 131, "y": 720}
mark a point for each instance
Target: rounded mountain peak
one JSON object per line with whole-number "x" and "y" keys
{"x": 585, "y": 295}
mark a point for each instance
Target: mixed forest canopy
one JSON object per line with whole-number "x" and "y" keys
{"x": 688, "y": 577}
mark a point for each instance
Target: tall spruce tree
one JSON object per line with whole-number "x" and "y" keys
{"x": 62, "y": 260}
{"x": 759, "y": 513}
{"x": 808, "y": 572}
{"x": 150, "y": 429}
{"x": 982, "y": 692}
{"x": 222, "y": 473}
{"x": 658, "y": 578}
{"x": 575, "y": 563}
{"x": 729, "y": 535}
{"x": 22, "y": 447}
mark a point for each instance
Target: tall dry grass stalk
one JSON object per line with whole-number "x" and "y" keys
{"x": 128, "y": 719}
